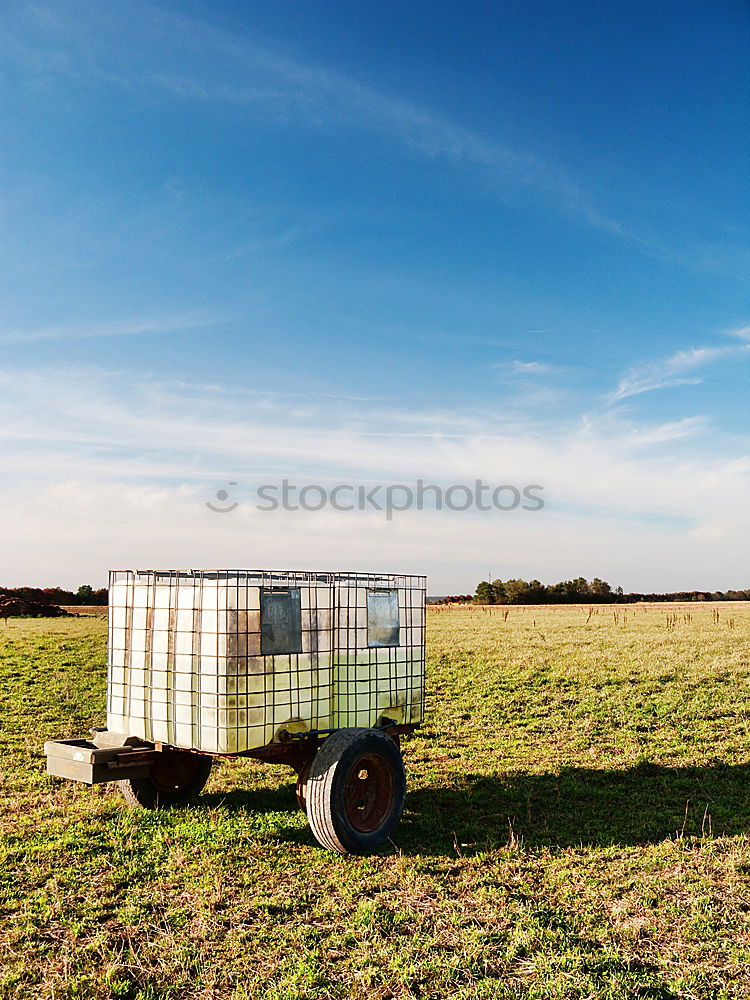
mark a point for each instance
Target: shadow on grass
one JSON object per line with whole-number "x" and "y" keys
{"x": 578, "y": 806}
{"x": 277, "y": 807}
{"x": 274, "y": 800}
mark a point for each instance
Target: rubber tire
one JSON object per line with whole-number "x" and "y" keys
{"x": 326, "y": 785}
{"x": 301, "y": 790}
{"x": 152, "y": 794}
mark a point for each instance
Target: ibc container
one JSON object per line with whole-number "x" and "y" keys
{"x": 226, "y": 661}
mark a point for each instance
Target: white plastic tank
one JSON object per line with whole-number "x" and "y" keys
{"x": 229, "y": 660}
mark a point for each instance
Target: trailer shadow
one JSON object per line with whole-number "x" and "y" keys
{"x": 262, "y": 800}
{"x": 576, "y": 807}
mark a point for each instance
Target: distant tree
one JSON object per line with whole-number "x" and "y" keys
{"x": 516, "y": 591}
{"x": 485, "y": 593}
{"x": 600, "y": 589}
{"x": 580, "y": 591}
{"x": 536, "y": 593}
{"x": 85, "y": 594}
{"x": 56, "y": 595}
{"x": 568, "y": 591}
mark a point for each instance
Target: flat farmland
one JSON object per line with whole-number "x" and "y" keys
{"x": 576, "y": 827}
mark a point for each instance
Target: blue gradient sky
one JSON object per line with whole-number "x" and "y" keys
{"x": 376, "y": 242}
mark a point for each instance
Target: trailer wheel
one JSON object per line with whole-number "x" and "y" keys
{"x": 176, "y": 776}
{"x": 355, "y": 791}
{"x": 301, "y": 790}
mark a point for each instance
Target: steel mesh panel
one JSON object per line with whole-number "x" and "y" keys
{"x": 187, "y": 664}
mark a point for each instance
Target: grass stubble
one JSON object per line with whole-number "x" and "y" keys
{"x": 576, "y": 827}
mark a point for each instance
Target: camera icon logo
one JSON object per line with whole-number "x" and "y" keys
{"x": 222, "y": 496}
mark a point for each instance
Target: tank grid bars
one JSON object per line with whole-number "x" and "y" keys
{"x": 226, "y": 660}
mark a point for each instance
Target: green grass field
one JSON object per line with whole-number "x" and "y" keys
{"x": 576, "y": 827}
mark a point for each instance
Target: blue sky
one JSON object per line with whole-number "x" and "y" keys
{"x": 371, "y": 243}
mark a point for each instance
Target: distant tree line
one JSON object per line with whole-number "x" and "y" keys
{"x": 56, "y": 595}
{"x": 582, "y": 591}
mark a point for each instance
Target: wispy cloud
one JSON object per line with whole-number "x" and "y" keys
{"x": 676, "y": 370}
{"x": 172, "y": 323}
{"x": 103, "y": 468}
{"x": 110, "y": 418}
{"x": 530, "y": 368}
{"x": 743, "y": 332}
{"x": 166, "y": 55}
{"x": 191, "y": 60}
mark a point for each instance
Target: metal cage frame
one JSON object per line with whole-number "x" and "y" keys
{"x": 338, "y": 679}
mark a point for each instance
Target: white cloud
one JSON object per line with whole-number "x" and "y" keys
{"x": 192, "y": 60}
{"x": 172, "y": 323}
{"x": 674, "y": 370}
{"x": 169, "y": 55}
{"x": 526, "y": 367}
{"x": 743, "y": 332}
{"x": 102, "y": 469}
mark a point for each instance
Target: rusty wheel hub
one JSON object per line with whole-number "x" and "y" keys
{"x": 368, "y": 794}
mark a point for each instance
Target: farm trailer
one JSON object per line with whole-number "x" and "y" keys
{"x": 323, "y": 672}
